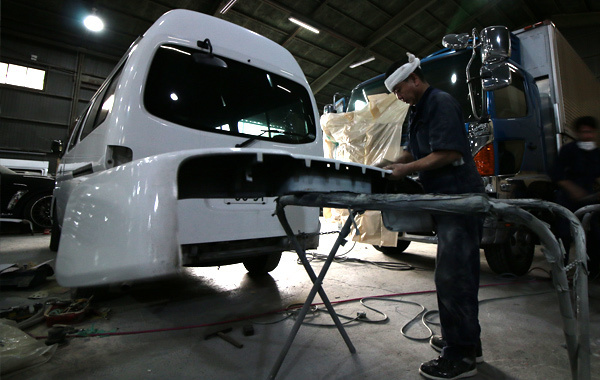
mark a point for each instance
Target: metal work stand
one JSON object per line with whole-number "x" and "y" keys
{"x": 317, "y": 288}
{"x": 575, "y": 325}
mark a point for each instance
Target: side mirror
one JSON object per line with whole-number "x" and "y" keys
{"x": 56, "y": 147}
{"x": 456, "y": 41}
{"x": 495, "y": 76}
{"x": 495, "y": 44}
{"x": 340, "y": 102}
{"x": 329, "y": 108}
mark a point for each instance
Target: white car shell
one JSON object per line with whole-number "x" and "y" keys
{"x": 105, "y": 236}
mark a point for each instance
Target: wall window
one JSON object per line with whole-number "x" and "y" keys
{"x": 22, "y": 76}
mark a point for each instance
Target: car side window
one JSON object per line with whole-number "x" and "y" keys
{"x": 108, "y": 99}
{"x": 101, "y": 106}
{"x": 78, "y": 125}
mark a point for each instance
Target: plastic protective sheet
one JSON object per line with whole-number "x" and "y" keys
{"x": 19, "y": 350}
{"x": 368, "y": 136}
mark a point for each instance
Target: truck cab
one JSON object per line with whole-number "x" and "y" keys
{"x": 518, "y": 100}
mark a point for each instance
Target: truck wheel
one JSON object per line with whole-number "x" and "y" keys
{"x": 55, "y": 234}
{"x": 398, "y": 249}
{"x": 514, "y": 256}
{"x": 261, "y": 265}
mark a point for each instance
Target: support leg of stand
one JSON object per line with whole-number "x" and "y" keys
{"x": 317, "y": 281}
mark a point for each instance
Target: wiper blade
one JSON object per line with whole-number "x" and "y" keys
{"x": 278, "y": 133}
{"x": 245, "y": 143}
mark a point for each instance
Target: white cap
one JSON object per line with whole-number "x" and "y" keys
{"x": 402, "y": 72}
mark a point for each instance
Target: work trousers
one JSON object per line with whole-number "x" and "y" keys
{"x": 457, "y": 283}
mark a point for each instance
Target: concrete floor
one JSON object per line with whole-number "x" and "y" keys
{"x": 522, "y": 336}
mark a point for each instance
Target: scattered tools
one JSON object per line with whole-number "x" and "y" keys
{"x": 67, "y": 311}
{"x": 21, "y": 313}
{"x": 223, "y": 335}
{"x": 25, "y": 275}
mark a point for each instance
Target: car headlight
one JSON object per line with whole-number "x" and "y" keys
{"x": 15, "y": 198}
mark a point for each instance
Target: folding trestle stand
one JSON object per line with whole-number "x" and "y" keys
{"x": 316, "y": 288}
{"x": 575, "y": 325}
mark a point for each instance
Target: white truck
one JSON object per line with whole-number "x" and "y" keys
{"x": 175, "y": 160}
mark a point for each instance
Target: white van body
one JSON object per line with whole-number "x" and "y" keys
{"x": 116, "y": 198}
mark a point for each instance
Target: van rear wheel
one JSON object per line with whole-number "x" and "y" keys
{"x": 398, "y": 249}
{"x": 261, "y": 265}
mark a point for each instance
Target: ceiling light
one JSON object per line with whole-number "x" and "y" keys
{"x": 227, "y": 6}
{"x": 304, "y": 25}
{"x": 93, "y": 22}
{"x": 362, "y": 62}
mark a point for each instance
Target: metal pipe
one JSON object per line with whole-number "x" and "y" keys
{"x": 469, "y": 79}
{"x": 576, "y": 330}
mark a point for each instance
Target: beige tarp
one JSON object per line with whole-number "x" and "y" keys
{"x": 368, "y": 136}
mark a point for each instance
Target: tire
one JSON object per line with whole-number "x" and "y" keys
{"x": 37, "y": 212}
{"x": 398, "y": 249}
{"x": 261, "y": 265}
{"x": 55, "y": 234}
{"x": 513, "y": 257}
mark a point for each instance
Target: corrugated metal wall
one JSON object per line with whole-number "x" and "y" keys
{"x": 29, "y": 119}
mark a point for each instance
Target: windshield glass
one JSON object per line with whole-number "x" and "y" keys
{"x": 239, "y": 100}
{"x": 448, "y": 74}
{"x": 358, "y": 98}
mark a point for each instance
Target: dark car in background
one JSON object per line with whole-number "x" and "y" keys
{"x": 26, "y": 196}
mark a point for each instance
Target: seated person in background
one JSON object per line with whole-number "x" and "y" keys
{"x": 577, "y": 174}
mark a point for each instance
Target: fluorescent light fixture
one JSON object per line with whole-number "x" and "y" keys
{"x": 362, "y": 62}
{"x": 304, "y": 25}
{"x": 284, "y": 89}
{"x": 227, "y": 6}
{"x": 175, "y": 49}
{"x": 93, "y": 22}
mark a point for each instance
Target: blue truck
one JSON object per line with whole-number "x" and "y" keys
{"x": 520, "y": 92}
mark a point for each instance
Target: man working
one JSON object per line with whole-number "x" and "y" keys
{"x": 439, "y": 151}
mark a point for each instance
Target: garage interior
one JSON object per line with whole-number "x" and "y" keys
{"x": 168, "y": 328}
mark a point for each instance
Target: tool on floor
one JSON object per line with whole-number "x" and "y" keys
{"x": 248, "y": 330}
{"x": 58, "y": 334}
{"x": 65, "y": 312}
{"x": 223, "y": 335}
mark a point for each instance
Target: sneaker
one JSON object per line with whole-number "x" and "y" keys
{"x": 446, "y": 369}
{"x": 438, "y": 343}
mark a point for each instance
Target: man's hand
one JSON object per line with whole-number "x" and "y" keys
{"x": 433, "y": 160}
{"x": 399, "y": 171}
{"x": 383, "y": 164}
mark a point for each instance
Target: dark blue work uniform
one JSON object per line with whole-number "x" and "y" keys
{"x": 436, "y": 123}
{"x": 582, "y": 167}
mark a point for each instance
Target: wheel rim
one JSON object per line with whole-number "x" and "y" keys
{"x": 40, "y": 212}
